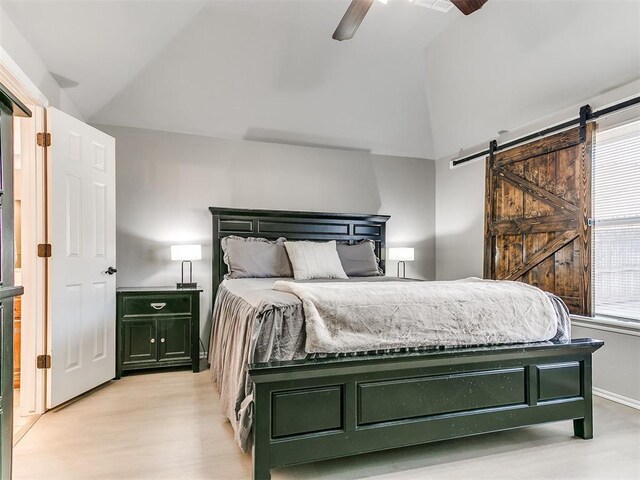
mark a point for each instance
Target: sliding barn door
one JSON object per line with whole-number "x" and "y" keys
{"x": 538, "y": 202}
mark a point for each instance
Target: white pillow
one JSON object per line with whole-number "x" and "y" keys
{"x": 314, "y": 260}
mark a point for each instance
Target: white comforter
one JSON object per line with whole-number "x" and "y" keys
{"x": 351, "y": 317}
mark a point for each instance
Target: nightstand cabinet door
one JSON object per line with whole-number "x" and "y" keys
{"x": 174, "y": 337}
{"x": 158, "y": 328}
{"x": 140, "y": 341}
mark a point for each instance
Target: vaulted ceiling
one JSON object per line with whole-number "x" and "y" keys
{"x": 413, "y": 81}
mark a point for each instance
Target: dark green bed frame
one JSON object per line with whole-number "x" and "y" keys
{"x": 317, "y": 409}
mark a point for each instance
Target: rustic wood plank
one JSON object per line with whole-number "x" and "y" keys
{"x": 489, "y": 245}
{"x": 542, "y": 275}
{"x": 544, "y": 146}
{"x": 584, "y": 175}
{"x": 549, "y": 223}
{"x": 535, "y": 208}
{"x": 567, "y": 261}
{"x": 534, "y": 190}
{"x": 542, "y": 172}
{"x": 508, "y": 255}
{"x": 551, "y": 248}
{"x": 508, "y": 198}
{"x": 566, "y": 184}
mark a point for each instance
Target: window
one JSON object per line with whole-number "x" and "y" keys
{"x": 616, "y": 212}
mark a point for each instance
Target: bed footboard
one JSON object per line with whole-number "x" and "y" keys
{"x": 318, "y": 409}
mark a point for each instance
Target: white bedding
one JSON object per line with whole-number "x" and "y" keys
{"x": 353, "y": 317}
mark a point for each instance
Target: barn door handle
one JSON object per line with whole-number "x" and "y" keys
{"x": 158, "y": 306}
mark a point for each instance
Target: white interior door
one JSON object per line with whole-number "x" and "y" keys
{"x": 81, "y": 192}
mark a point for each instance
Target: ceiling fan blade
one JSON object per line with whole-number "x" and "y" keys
{"x": 468, "y": 6}
{"x": 352, "y": 19}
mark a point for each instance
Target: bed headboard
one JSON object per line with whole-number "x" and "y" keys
{"x": 271, "y": 224}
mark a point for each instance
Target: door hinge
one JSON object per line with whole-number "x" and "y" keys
{"x": 44, "y": 250}
{"x": 43, "y": 361}
{"x": 43, "y": 139}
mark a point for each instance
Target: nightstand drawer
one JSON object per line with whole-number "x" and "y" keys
{"x": 137, "y": 305}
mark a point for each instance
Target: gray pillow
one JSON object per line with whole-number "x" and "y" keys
{"x": 359, "y": 260}
{"x": 254, "y": 257}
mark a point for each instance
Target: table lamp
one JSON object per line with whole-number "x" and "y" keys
{"x": 402, "y": 255}
{"x": 186, "y": 253}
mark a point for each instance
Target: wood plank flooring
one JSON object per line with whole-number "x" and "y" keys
{"x": 167, "y": 426}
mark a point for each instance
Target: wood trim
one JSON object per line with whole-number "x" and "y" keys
{"x": 32, "y": 395}
{"x": 536, "y": 191}
{"x": 616, "y": 397}
{"x": 488, "y": 237}
{"x": 584, "y": 170}
{"x": 549, "y": 223}
{"x": 544, "y": 146}
{"x": 549, "y": 249}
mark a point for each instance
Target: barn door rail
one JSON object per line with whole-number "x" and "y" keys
{"x": 586, "y": 115}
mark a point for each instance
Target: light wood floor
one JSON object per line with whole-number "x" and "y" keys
{"x": 167, "y": 426}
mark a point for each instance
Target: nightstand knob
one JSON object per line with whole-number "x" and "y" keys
{"x": 153, "y": 340}
{"x": 162, "y": 340}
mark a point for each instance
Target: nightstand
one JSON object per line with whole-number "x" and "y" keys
{"x": 157, "y": 327}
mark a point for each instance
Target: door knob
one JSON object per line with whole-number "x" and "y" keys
{"x": 111, "y": 271}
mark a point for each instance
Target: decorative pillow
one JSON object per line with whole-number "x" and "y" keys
{"x": 254, "y": 257}
{"x": 314, "y": 260}
{"x": 359, "y": 259}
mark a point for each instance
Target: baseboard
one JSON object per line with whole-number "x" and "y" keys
{"x": 614, "y": 397}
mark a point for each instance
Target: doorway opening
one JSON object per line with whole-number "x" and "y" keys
{"x": 29, "y": 313}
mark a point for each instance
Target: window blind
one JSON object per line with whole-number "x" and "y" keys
{"x": 616, "y": 212}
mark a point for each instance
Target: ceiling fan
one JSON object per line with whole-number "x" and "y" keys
{"x": 359, "y": 8}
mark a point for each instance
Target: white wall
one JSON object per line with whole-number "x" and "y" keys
{"x": 167, "y": 181}
{"x": 22, "y": 53}
{"x": 515, "y": 61}
{"x": 460, "y": 240}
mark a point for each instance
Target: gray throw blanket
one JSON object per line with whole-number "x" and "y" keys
{"x": 352, "y": 317}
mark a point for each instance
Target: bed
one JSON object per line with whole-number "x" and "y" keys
{"x": 300, "y": 408}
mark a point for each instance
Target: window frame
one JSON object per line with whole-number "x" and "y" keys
{"x": 612, "y": 320}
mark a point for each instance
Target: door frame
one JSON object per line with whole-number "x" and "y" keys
{"x": 34, "y": 269}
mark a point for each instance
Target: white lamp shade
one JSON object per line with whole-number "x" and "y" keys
{"x": 402, "y": 254}
{"x": 186, "y": 252}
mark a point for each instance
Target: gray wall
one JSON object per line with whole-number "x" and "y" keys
{"x": 459, "y": 220}
{"x": 166, "y": 181}
{"x": 615, "y": 366}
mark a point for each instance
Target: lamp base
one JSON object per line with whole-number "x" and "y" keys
{"x": 186, "y": 285}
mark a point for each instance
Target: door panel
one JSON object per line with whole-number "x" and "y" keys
{"x": 81, "y": 211}
{"x": 174, "y": 335}
{"x": 538, "y": 202}
{"x": 141, "y": 341}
